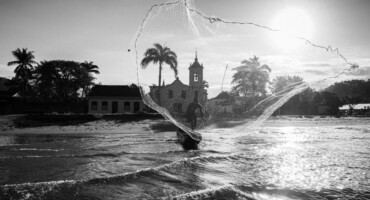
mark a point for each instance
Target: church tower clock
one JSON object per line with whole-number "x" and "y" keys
{"x": 196, "y": 80}
{"x": 196, "y": 73}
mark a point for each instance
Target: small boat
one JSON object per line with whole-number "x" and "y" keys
{"x": 187, "y": 141}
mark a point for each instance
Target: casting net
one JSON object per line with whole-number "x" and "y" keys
{"x": 239, "y": 72}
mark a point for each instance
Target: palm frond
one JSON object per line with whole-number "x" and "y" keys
{"x": 13, "y": 63}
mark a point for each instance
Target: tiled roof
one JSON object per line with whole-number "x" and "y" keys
{"x": 114, "y": 91}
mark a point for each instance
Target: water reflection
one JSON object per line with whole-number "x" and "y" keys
{"x": 278, "y": 163}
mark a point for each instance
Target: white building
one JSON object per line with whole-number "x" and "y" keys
{"x": 111, "y": 99}
{"x": 177, "y": 95}
{"x": 355, "y": 109}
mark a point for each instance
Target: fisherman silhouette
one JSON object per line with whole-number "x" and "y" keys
{"x": 191, "y": 117}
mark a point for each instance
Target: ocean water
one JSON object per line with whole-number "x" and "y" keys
{"x": 288, "y": 159}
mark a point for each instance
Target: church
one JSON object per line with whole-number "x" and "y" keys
{"x": 177, "y": 95}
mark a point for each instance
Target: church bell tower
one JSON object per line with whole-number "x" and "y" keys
{"x": 196, "y": 73}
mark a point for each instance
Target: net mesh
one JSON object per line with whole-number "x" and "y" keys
{"x": 201, "y": 71}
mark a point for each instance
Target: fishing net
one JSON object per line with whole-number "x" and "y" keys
{"x": 239, "y": 72}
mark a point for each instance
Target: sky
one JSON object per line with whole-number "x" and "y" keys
{"x": 103, "y": 31}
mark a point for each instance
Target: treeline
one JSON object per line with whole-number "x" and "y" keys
{"x": 54, "y": 81}
{"x": 250, "y": 92}
{"x": 48, "y": 86}
{"x": 332, "y": 97}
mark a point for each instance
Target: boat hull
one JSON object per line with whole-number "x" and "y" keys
{"x": 186, "y": 141}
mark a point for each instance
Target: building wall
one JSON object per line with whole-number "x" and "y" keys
{"x": 215, "y": 106}
{"x": 120, "y": 105}
{"x": 177, "y": 99}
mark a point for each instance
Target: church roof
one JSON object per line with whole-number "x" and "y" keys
{"x": 196, "y": 64}
{"x": 114, "y": 91}
{"x": 175, "y": 82}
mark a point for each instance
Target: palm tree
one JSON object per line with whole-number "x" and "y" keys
{"x": 251, "y": 78}
{"x": 90, "y": 68}
{"x": 23, "y": 71}
{"x": 46, "y": 75}
{"x": 285, "y": 83}
{"x": 160, "y": 55}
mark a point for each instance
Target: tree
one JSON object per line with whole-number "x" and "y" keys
{"x": 88, "y": 77}
{"x": 23, "y": 71}
{"x": 251, "y": 78}
{"x": 90, "y": 67}
{"x": 160, "y": 55}
{"x": 352, "y": 91}
{"x": 331, "y": 100}
{"x": 46, "y": 74}
{"x": 60, "y": 81}
{"x": 285, "y": 83}
{"x": 205, "y": 84}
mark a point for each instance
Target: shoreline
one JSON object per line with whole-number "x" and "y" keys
{"x": 135, "y": 124}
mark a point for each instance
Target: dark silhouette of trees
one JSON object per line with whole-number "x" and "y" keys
{"x": 87, "y": 78}
{"x": 24, "y": 61}
{"x": 251, "y": 78}
{"x": 61, "y": 81}
{"x": 90, "y": 67}
{"x": 205, "y": 84}
{"x": 160, "y": 55}
{"x": 352, "y": 92}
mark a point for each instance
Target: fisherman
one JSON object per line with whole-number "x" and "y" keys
{"x": 190, "y": 113}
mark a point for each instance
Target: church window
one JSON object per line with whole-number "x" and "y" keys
{"x": 170, "y": 94}
{"x": 196, "y": 93}
{"x": 183, "y": 94}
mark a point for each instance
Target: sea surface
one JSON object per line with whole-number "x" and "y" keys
{"x": 292, "y": 159}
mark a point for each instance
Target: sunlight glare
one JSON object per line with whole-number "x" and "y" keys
{"x": 292, "y": 22}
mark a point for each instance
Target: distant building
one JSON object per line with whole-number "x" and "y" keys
{"x": 221, "y": 104}
{"x": 110, "y": 99}
{"x": 177, "y": 95}
{"x": 355, "y": 109}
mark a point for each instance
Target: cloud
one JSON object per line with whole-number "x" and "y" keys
{"x": 314, "y": 72}
{"x": 363, "y": 72}
{"x": 317, "y": 64}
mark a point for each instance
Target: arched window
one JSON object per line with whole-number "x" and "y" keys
{"x": 170, "y": 94}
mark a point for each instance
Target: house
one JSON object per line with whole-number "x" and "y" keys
{"x": 177, "y": 95}
{"x": 221, "y": 104}
{"x": 110, "y": 99}
{"x": 355, "y": 109}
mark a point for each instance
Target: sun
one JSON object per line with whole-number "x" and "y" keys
{"x": 292, "y": 23}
